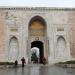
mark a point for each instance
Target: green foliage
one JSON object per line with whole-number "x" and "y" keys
{"x": 68, "y": 62}
{"x": 6, "y": 63}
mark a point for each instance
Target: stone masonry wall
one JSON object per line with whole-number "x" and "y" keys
{"x": 2, "y": 35}
{"x": 71, "y": 21}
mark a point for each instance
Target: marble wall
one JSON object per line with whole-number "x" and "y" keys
{"x": 14, "y": 22}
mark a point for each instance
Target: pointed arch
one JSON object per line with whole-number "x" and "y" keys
{"x": 13, "y": 49}
{"x": 37, "y": 18}
{"x": 37, "y": 26}
{"x": 61, "y": 48}
{"x": 37, "y": 31}
{"x": 61, "y": 37}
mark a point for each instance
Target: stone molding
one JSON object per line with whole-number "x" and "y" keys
{"x": 37, "y": 8}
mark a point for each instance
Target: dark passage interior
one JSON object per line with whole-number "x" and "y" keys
{"x": 39, "y": 44}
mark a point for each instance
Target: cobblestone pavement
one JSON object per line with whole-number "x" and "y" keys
{"x": 38, "y": 70}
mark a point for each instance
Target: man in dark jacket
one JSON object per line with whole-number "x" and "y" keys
{"x": 23, "y": 61}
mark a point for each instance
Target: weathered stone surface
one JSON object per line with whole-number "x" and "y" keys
{"x": 58, "y": 40}
{"x": 2, "y": 35}
{"x": 71, "y": 21}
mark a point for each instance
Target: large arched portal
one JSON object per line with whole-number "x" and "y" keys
{"x": 37, "y": 35}
{"x": 39, "y": 45}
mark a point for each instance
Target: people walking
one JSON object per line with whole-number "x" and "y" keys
{"x": 16, "y": 63}
{"x": 44, "y": 61}
{"x": 23, "y": 61}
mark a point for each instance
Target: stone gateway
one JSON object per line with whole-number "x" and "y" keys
{"x": 51, "y": 30}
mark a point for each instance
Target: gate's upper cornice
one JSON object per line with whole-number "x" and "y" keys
{"x": 36, "y": 8}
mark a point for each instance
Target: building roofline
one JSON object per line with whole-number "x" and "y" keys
{"x": 35, "y": 8}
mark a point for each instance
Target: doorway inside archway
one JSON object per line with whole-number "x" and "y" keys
{"x": 39, "y": 45}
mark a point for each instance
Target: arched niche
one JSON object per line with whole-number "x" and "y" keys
{"x": 37, "y": 26}
{"x": 61, "y": 52}
{"x": 13, "y": 49}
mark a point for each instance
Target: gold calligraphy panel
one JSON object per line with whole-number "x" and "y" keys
{"x": 37, "y": 29}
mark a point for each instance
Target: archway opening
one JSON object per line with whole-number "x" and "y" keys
{"x": 37, "y": 28}
{"x": 39, "y": 45}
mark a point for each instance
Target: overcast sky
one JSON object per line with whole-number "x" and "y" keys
{"x": 38, "y": 3}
